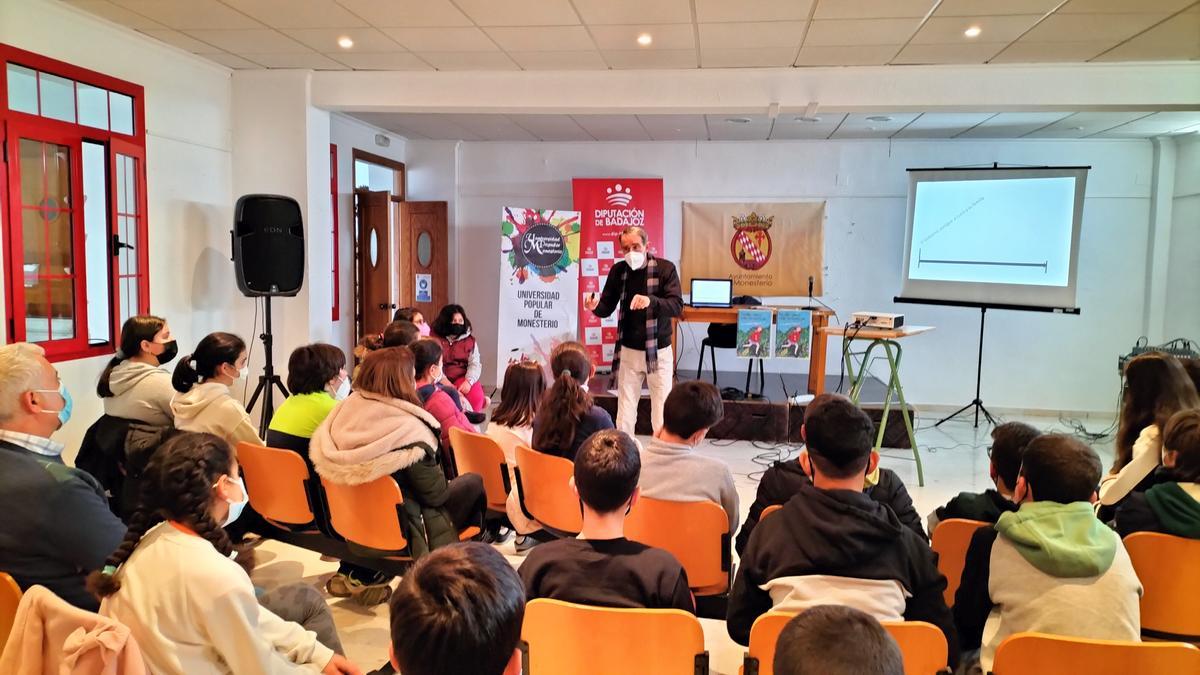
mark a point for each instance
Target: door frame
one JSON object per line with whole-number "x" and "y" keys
{"x": 398, "y": 193}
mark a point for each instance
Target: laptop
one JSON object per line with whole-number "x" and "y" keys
{"x": 712, "y": 293}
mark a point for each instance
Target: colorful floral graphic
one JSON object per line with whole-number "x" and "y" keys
{"x": 539, "y": 243}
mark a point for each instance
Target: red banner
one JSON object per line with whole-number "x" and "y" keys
{"x": 606, "y": 206}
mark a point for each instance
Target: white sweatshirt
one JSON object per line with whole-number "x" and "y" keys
{"x": 140, "y": 392}
{"x": 193, "y": 612}
{"x": 209, "y": 408}
{"x": 1147, "y": 455}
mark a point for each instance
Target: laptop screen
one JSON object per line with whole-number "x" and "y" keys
{"x": 712, "y": 292}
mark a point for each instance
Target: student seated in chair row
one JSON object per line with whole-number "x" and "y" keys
{"x": 601, "y": 567}
{"x": 317, "y": 380}
{"x": 836, "y": 640}
{"x": 831, "y": 543}
{"x": 671, "y": 469}
{"x": 1052, "y": 566}
{"x": 133, "y": 385}
{"x": 204, "y": 379}
{"x": 568, "y": 415}
{"x": 1171, "y": 507}
{"x": 828, "y": 432}
{"x": 1008, "y": 443}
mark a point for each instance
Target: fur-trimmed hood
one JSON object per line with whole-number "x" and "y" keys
{"x": 368, "y": 436}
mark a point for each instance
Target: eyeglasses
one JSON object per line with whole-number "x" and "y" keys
{"x": 989, "y": 452}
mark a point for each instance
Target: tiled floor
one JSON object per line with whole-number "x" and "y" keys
{"x": 954, "y": 457}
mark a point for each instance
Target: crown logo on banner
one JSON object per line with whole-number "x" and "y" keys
{"x": 750, "y": 246}
{"x": 753, "y": 222}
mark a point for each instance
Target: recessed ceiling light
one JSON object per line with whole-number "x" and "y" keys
{"x": 879, "y": 118}
{"x": 738, "y": 120}
{"x": 645, "y": 39}
{"x": 809, "y": 120}
{"x": 973, "y": 31}
{"x": 345, "y": 42}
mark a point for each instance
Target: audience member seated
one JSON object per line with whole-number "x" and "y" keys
{"x": 413, "y": 316}
{"x": 56, "y": 526}
{"x": 1050, "y": 567}
{"x": 427, "y": 355}
{"x": 399, "y": 334}
{"x": 463, "y": 366}
{"x": 458, "y": 610}
{"x": 366, "y": 345}
{"x": 173, "y": 582}
{"x": 1156, "y": 387}
{"x": 1171, "y": 507}
{"x": 133, "y": 385}
{"x": 317, "y": 380}
{"x": 1008, "y": 442}
{"x": 671, "y": 470}
{"x": 831, "y": 543}
{"x": 825, "y": 432}
{"x": 836, "y": 640}
{"x": 601, "y": 567}
{"x": 512, "y": 421}
{"x": 568, "y": 416}
{"x": 380, "y": 430}
{"x": 203, "y": 379}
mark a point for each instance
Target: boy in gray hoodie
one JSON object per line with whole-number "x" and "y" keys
{"x": 1052, "y": 566}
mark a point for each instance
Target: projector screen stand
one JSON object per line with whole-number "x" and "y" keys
{"x": 976, "y": 404}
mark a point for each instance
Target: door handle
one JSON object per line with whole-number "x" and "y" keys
{"x": 384, "y": 305}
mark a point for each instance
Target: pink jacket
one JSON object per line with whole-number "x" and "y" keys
{"x": 442, "y": 407}
{"x": 51, "y": 637}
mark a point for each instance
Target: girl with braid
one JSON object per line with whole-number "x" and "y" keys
{"x": 177, "y": 584}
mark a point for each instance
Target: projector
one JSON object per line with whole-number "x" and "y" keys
{"x": 877, "y": 320}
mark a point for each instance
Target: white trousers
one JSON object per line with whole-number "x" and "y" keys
{"x": 629, "y": 386}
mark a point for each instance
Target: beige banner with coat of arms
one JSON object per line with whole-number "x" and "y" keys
{"x": 767, "y": 249}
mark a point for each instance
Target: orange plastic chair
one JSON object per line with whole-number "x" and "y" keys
{"x": 543, "y": 486}
{"x": 922, "y": 645}
{"x": 369, "y": 515}
{"x": 562, "y": 637}
{"x": 1167, "y": 567}
{"x": 950, "y": 541}
{"x": 768, "y": 511}
{"x": 1039, "y": 653}
{"x": 10, "y": 597}
{"x": 481, "y": 454}
{"x": 697, "y": 533}
{"x": 277, "y": 482}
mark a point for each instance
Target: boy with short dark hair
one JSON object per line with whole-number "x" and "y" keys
{"x": 1052, "y": 566}
{"x": 671, "y": 470}
{"x": 833, "y": 544}
{"x": 1008, "y": 442}
{"x": 458, "y": 610}
{"x": 1171, "y": 507}
{"x": 782, "y": 480}
{"x": 836, "y": 640}
{"x": 601, "y": 567}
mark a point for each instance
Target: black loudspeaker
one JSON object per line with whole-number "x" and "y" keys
{"x": 268, "y": 245}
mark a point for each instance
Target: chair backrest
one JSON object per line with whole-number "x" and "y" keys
{"x": 1169, "y": 569}
{"x": 481, "y": 454}
{"x": 951, "y": 538}
{"x": 368, "y": 514}
{"x": 1026, "y": 653}
{"x": 696, "y": 533}
{"x": 10, "y": 597}
{"x": 567, "y": 638}
{"x": 922, "y": 645}
{"x": 277, "y": 483}
{"x": 543, "y": 484}
{"x": 768, "y": 511}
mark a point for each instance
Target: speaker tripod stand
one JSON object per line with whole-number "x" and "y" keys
{"x": 977, "y": 404}
{"x": 268, "y": 379}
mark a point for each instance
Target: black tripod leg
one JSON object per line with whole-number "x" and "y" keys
{"x": 262, "y": 388}
{"x": 954, "y": 414}
{"x": 987, "y": 415}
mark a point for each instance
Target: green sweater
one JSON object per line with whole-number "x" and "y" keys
{"x": 301, "y": 414}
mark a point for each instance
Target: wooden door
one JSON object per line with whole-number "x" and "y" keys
{"x": 426, "y": 255}
{"x": 376, "y": 258}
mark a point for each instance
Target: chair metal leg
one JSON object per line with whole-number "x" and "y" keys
{"x": 700, "y": 361}
{"x": 712, "y": 355}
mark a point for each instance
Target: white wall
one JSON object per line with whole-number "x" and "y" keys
{"x": 1182, "y": 317}
{"x": 1031, "y": 360}
{"x": 188, "y": 160}
{"x": 348, "y": 133}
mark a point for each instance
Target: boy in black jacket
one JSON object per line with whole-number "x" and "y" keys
{"x": 782, "y": 481}
{"x": 833, "y": 544}
{"x": 1008, "y": 443}
{"x": 1173, "y": 505}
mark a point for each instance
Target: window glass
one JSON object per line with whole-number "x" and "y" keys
{"x": 22, "y": 89}
{"x": 93, "y": 105}
{"x": 121, "y": 111}
{"x": 58, "y": 97}
{"x": 48, "y": 250}
{"x": 95, "y": 237}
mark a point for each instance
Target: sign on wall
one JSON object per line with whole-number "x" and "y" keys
{"x": 539, "y": 283}
{"x": 606, "y": 206}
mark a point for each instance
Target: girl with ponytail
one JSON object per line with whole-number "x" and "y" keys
{"x": 133, "y": 385}
{"x": 568, "y": 415}
{"x": 204, "y": 379}
{"x": 176, "y": 583}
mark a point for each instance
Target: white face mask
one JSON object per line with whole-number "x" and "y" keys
{"x": 236, "y": 508}
{"x": 342, "y": 390}
{"x": 635, "y": 259}
{"x": 244, "y": 372}
{"x": 584, "y": 386}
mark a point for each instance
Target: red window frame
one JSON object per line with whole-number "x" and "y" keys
{"x": 15, "y": 125}
{"x": 333, "y": 191}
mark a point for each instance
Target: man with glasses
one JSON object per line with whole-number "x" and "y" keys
{"x": 1008, "y": 443}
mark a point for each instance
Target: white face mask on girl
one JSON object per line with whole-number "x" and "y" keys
{"x": 244, "y": 372}
{"x": 342, "y": 390}
{"x": 235, "y": 508}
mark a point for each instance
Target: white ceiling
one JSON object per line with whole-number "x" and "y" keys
{"x": 496, "y": 127}
{"x": 601, "y": 34}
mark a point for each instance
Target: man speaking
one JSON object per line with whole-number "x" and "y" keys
{"x": 646, "y": 290}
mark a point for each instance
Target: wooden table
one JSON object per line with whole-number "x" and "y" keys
{"x": 889, "y": 340}
{"x": 820, "y": 320}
